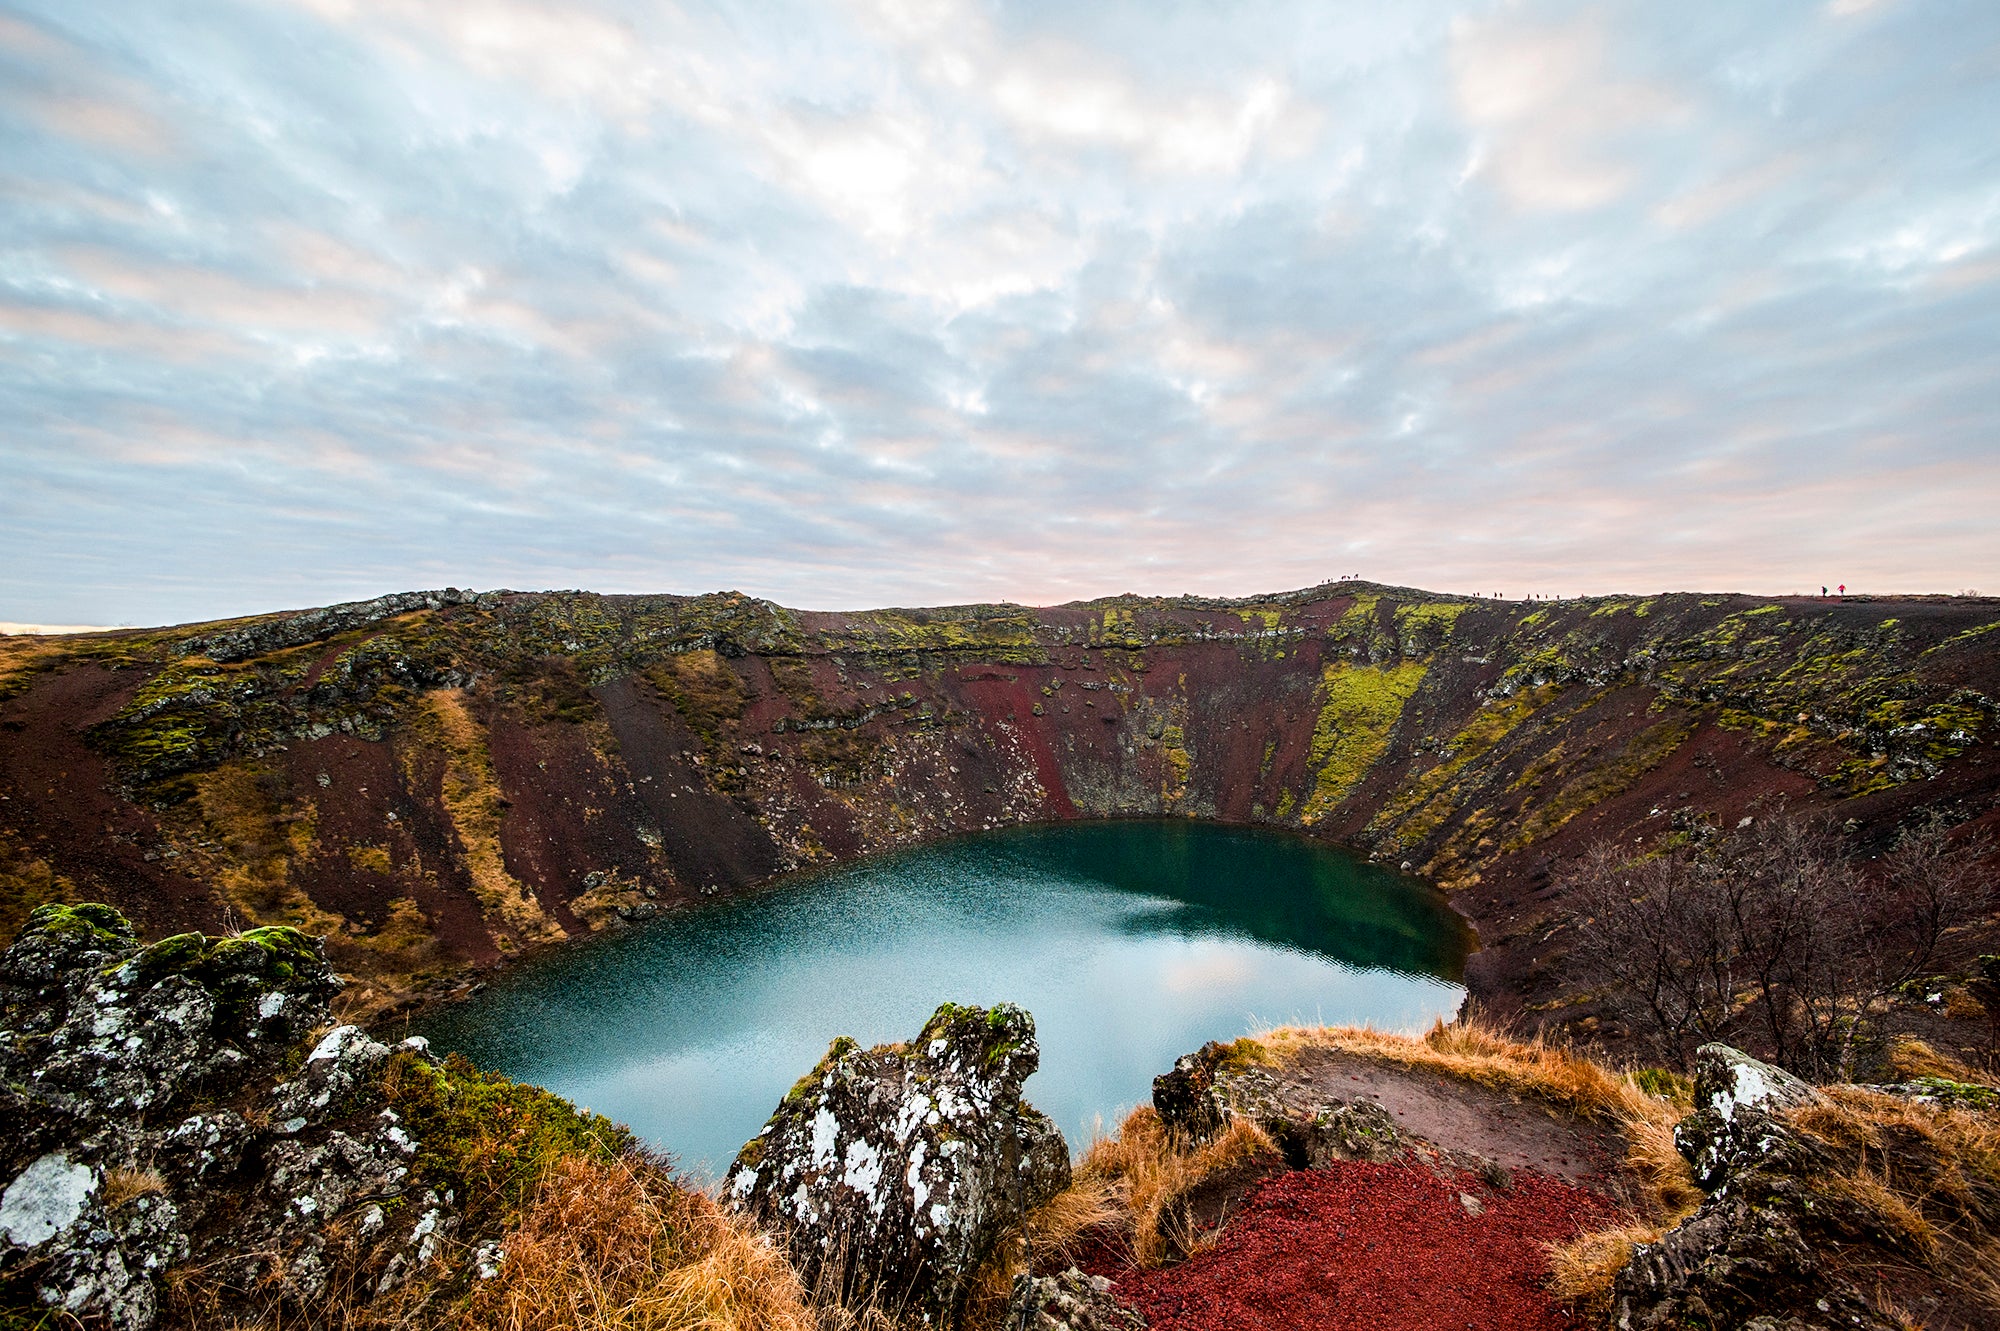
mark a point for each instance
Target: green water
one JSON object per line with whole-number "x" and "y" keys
{"x": 1131, "y": 942}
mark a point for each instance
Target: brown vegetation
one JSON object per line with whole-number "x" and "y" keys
{"x": 1923, "y": 1182}
{"x": 616, "y": 1245}
{"x": 1581, "y": 1270}
{"x": 124, "y": 1185}
{"x": 470, "y": 794}
{"x": 1143, "y": 1172}
{"x": 1778, "y": 938}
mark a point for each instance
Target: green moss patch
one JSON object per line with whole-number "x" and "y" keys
{"x": 707, "y": 692}
{"x": 489, "y": 1139}
{"x": 1601, "y": 780}
{"x": 92, "y": 922}
{"x": 1420, "y": 805}
{"x": 1359, "y": 709}
{"x": 236, "y": 968}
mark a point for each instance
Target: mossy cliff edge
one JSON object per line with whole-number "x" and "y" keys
{"x": 440, "y": 780}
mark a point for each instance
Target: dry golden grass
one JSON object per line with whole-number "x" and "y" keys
{"x": 1140, "y": 1172}
{"x": 1121, "y": 1193}
{"x": 470, "y": 792}
{"x": 1894, "y": 1214}
{"x": 1926, "y": 1178}
{"x": 618, "y": 1246}
{"x": 124, "y": 1185}
{"x": 1056, "y": 1234}
{"x": 1581, "y": 1270}
{"x": 1063, "y": 1228}
{"x": 1911, "y": 1058}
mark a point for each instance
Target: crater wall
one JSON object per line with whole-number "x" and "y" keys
{"x": 441, "y": 780}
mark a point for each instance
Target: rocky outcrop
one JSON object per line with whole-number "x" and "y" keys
{"x": 1068, "y": 1301}
{"x": 1185, "y": 1097}
{"x": 295, "y": 630}
{"x": 892, "y": 1173}
{"x": 1737, "y": 1099}
{"x": 1757, "y": 1251}
{"x": 1208, "y": 1090}
{"x": 155, "y": 1114}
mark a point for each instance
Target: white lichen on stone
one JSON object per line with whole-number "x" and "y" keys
{"x": 334, "y": 1043}
{"x": 826, "y": 1131}
{"x": 864, "y": 1171}
{"x": 45, "y": 1199}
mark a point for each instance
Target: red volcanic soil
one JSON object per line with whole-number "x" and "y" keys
{"x": 1395, "y": 1247}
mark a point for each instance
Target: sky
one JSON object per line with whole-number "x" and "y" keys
{"x": 852, "y": 304}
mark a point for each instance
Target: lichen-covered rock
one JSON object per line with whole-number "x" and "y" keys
{"x": 1735, "y": 1097}
{"x": 1942, "y": 1093}
{"x": 891, "y": 1173}
{"x": 144, "y": 1125}
{"x": 1068, "y": 1301}
{"x": 1754, "y": 1251}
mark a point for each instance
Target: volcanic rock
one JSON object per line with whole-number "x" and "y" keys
{"x": 1185, "y": 1097}
{"x": 1735, "y": 1098}
{"x": 144, "y": 1125}
{"x": 891, "y": 1173}
{"x": 1068, "y": 1301}
{"x": 1205, "y": 1093}
{"x": 1756, "y": 1247}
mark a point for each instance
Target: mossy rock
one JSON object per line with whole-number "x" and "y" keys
{"x": 90, "y": 922}
{"x": 238, "y": 970}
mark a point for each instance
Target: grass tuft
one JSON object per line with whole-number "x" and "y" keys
{"x": 1581, "y": 1270}
{"x": 617, "y": 1245}
{"x": 1142, "y": 1173}
{"x": 126, "y": 1185}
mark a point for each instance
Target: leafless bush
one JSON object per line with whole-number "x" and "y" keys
{"x": 1778, "y": 937}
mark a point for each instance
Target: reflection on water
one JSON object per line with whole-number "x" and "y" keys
{"x": 1131, "y": 942}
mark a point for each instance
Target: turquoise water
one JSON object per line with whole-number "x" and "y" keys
{"x": 1131, "y": 942}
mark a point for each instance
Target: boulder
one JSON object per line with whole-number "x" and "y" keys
{"x": 144, "y": 1124}
{"x": 890, "y": 1174}
{"x": 1185, "y": 1097}
{"x": 1735, "y": 1098}
{"x": 1754, "y": 1252}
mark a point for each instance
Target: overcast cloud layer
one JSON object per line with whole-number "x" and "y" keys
{"x": 853, "y": 304}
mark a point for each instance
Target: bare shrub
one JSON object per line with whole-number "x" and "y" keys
{"x": 1778, "y": 938}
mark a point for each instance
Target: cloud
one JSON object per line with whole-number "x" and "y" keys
{"x": 884, "y": 303}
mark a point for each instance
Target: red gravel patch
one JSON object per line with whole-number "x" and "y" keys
{"x": 1381, "y": 1247}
